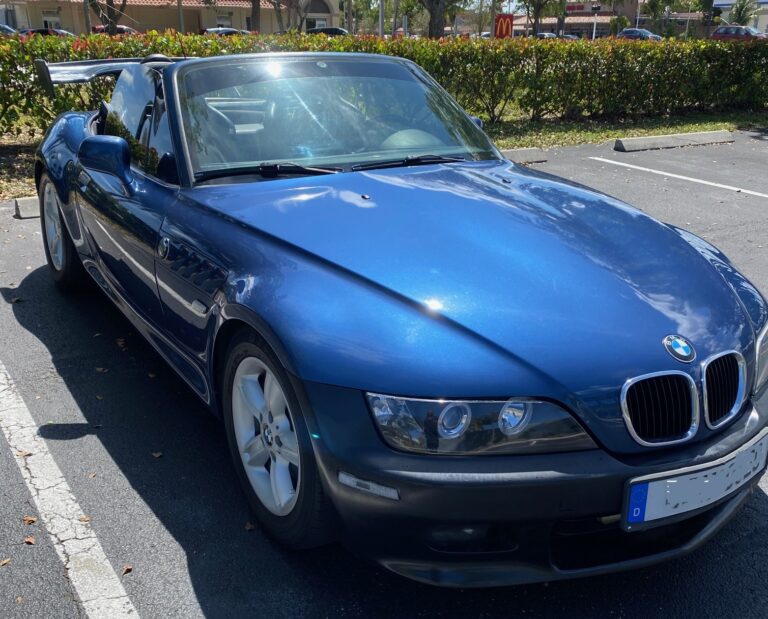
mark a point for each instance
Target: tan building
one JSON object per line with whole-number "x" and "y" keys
{"x": 580, "y": 19}
{"x": 146, "y": 15}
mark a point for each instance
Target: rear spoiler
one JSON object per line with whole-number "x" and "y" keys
{"x": 82, "y": 71}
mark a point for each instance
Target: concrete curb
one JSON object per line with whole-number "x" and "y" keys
{"x": 526, "y": 155}
{"x": 27, "y": 208}
{"x": 657, "y": 142}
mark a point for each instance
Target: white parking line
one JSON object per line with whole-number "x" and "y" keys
{"x": 684, "y": 178}
{"x": 99, "y": 589}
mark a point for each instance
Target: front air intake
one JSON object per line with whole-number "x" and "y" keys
{"x": 661, "y": 408}
{"x": 724, "y": 387}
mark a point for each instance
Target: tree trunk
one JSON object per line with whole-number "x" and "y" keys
{"x": 493, "y": 20}
{"x": 437, "y": 20}
{"x": 395, "y": 8}
{"x": 349, "y": 20}
{"x": 256, "y": 15}
{"x": 278, "y": 15}
{"x": 537, "y": 20}
{"x": 87, "y": 15}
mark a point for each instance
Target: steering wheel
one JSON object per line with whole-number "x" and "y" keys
{"x": 220, "y": 121}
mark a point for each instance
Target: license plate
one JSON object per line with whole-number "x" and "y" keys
{"x": 665, "y": 495}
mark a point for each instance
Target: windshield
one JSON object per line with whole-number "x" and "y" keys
{"x": 319, "y": 111}
{"x": 752, "y": 30}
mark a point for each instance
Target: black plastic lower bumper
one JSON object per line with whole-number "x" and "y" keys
{"x": 492, "y": 521}
{"x": 569, "y": 549}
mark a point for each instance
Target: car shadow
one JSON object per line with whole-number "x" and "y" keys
{"x": 756, "y": 133}
{"x": 135, "y": 406}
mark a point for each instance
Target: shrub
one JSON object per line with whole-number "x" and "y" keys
{"x": 567, "y": 79}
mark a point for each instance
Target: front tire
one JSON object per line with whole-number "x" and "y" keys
{"x": 64, "y": 263}
{"x": 270, "y": 446}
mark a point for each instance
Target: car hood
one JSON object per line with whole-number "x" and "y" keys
{"x": 571, "y": 282}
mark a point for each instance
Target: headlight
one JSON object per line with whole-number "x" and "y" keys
{"x": 761, "y": 367}
{"x": 515, "y": 426}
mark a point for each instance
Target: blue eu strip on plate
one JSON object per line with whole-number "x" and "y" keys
{"x": 638, "y": 496}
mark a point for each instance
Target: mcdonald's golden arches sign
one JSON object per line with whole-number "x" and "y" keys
{"x": 503, "y": 26}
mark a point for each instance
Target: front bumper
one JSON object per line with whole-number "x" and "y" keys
{"x": 500, "y": 520}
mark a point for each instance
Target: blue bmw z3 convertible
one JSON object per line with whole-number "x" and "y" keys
{"x": 473, "y": 373}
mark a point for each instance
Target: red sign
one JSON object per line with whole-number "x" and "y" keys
{"x": 574, "y": 7}
{"x": 503, "y": 26}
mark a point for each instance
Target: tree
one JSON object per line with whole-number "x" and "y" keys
{"x": 742, "y": 12}
{"x": 256, "y": 15}
{"x": 556, "y": 8}
{"x": 395, "y": 8}
{"x": 411, "y": 9}
{"x": 108, "y": 13}
{"x": 87, "y": 15}
{"x": 654, "y": 9}
{"x": 535, "y": 10}
{"x": 618, "y": 24}
{"x": 481, "y": 15}
{"x": 437, "y": 10}
{"x": 297, "y": 13}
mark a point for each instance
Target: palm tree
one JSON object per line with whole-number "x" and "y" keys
{"x": 742, "y": 12}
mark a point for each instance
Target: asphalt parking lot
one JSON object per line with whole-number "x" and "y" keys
{"x": 148, "y": 467}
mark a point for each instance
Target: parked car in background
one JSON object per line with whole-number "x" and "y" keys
{"x": 569, "y": 37}
{"x": 328, "y": 31}
{"x": 737, "y": 33}
{"x": 46, "y": 32}
{"x": 7, "y": 30}
{"x": 638, "y": 34}
{"x": 546, "y": 35}
{"x": 121, "y": 29}
{"x": 224, "y": 32}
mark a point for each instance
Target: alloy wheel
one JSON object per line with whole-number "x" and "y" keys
{"x": 266, "y": 436}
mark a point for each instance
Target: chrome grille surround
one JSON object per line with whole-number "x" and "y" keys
{"x": 694, "y": 396}
{"x": 741, "y": 392}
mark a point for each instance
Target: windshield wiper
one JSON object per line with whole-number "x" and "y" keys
{"x": 266, "y": 170}
{"x": 408, "y": 161}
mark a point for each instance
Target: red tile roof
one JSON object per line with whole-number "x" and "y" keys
{"x": 245, "y": 4}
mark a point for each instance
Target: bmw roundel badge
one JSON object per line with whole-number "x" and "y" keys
{"x": 680, "y": 348}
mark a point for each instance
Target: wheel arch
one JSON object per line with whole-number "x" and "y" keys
{"x": 39, "y": 169}
{"x": 234, "y": 320}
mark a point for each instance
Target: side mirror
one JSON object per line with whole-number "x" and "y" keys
{"x": 477, "y": 121}
{"x": 107, "y": 153}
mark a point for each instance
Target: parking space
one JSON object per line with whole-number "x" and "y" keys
{"x": 148, "y": 464}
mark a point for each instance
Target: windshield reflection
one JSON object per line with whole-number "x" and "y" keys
{"x": 319, "y": 111}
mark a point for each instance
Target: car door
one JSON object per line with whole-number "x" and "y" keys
{"x": 191, "y": 265}
{"x": 124, "y": 222}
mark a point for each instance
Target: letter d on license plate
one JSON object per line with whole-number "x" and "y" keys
{"x": 664, "y": 495}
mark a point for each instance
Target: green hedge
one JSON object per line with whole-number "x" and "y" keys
{"x": 567, "y": 79}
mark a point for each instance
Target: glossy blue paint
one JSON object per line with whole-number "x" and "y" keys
{"x": 476, "y": 279}
{"x": 550, "y": 291}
